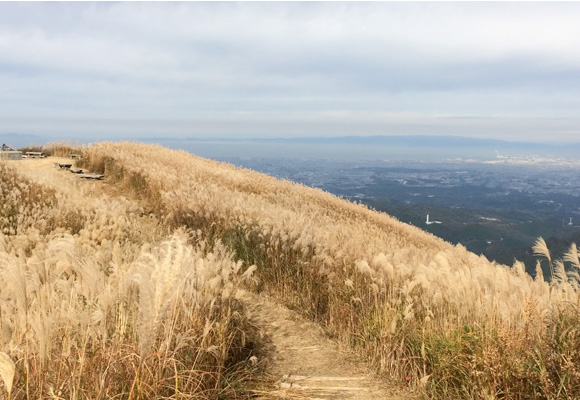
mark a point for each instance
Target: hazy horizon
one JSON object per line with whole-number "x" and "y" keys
{"x": 348, "y": 148}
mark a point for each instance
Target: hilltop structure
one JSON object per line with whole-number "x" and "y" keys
{"x": 8, "y": 153}
{"x": 427, "y": 222}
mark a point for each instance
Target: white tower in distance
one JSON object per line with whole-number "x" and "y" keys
{"x": 427, "y": 222}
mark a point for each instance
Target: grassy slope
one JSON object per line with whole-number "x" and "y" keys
{"x": 99, "y": 300}
{"x": 416, "y": 306}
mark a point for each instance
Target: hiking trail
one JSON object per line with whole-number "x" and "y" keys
{"x": 304, "y": 363}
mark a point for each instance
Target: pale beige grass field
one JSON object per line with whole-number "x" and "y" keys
{"x": 299, "y": 359}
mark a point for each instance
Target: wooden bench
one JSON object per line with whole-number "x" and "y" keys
{"x": 64, "y": 165}
{"x": 34, "y": 154}
{"x": 76, "y": 170}
{"x": 92, "y": 176}
{"x": 73, "y": 156}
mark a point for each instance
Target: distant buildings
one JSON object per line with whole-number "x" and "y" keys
{"x": 8, "y": 153}
{"x": 431, "y": 222}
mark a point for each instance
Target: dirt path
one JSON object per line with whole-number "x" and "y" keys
{"x": 304, "y": 363}
{"x": 44, "y": 171}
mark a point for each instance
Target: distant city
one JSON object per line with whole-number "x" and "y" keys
{"x": 495, "y": 209}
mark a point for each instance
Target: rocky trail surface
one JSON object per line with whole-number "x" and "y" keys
{"x": 303, "y": 362}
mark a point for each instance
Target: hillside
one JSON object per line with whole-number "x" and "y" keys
{"x": 503, "y": 237}
{"x": 417, "y": 308}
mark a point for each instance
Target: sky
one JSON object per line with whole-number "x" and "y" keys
{"x": 98, "y": 71}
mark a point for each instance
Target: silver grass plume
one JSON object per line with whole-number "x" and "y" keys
{"x": 540, "y": 249}
{"x": 539, "y": 272}
{"x": 560, "y": 271}
{"x": 572, "y": 256}
{"x": 13, "y": 273}
{"x": 7, "y": 369}
{"x": 158, "y": 277}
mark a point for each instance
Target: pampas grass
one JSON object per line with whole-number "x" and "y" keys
{"x": 7, "y": 369}
{"x": 100, "y": 300}
{"x": 540, "y": 249}
{"x": 411, "y": 303}
{"x": 156, "y": 286}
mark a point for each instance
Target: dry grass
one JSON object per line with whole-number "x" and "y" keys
{"x": 99, "y": 300}
{"x": 419, "y": 308}
{"x": 55, "y": 149}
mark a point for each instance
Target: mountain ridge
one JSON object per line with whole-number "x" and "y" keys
{"x": 414, "y": 140}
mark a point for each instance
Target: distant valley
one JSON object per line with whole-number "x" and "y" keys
{"x": 493, "y": 208}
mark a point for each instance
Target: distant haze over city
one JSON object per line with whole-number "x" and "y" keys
{"x": 101, "y": 71}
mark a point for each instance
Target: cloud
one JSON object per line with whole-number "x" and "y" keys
{"x": 288, "y": 68}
